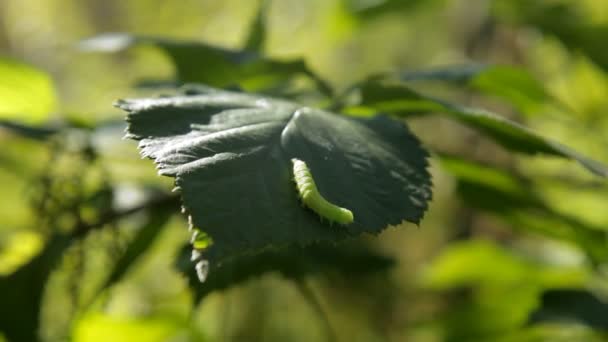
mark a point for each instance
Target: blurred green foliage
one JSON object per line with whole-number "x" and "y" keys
{"x": 27, "y": 93}
{"x": 513, "y": 248}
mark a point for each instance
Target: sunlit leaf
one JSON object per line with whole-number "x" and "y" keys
{"x": 100, "y": 327}
{"x": 513, "y": 84}
{"x": 18, "y": 249}
{"x": 484, "y": 314}
{"x": 484, "y": 263}
{"x": 26, "y": 93}
{"x": 231, "y": 156}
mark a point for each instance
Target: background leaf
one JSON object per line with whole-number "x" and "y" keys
{"x": 513, "y": 84}
{"x": 197, "y": 62}
{"x": 27, "y": 94}
{"x": 28, "y": 131}
{"x": 398, "y": 99}
{"x": 256, "y": 38}
{"x": 482, "y": 282}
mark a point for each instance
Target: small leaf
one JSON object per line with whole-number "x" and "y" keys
{"x": 451, "y": 73}
{"x": 572, "y": 306}
{"x": 27, "y": 131}
{"x": 398, "y": 99}
{"x": 197, "y": 62}
{"x": 231, "y": 156}
{"x": 257, "y": 33}
{"x": 26, "y": 93}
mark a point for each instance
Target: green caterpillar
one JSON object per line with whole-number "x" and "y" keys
{"x": 308, "y": 192}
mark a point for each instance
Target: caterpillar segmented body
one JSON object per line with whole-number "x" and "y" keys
{"x": 308, "y": 192}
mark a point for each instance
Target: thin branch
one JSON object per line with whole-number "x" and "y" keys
{"x": 312, "y": 300}
{"x": 110, "y": 217}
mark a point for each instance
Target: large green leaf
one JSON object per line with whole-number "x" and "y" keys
{"x": 198, "y": 62}
{"x": 231, "y": 156}
{"x": 398, "y": 99}
{"x": 26, "y": 93}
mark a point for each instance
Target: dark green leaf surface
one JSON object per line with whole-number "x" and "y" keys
{"x": 572, "y": 306}
{"x": 198, "y": 62}
{"x": 231, "y": 156}
{"x": 293, "y": 262}
{"x": 398, "y": 99}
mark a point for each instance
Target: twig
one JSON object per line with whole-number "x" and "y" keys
{"x": 312, "y": 300}
{"x": 113, "y": 216}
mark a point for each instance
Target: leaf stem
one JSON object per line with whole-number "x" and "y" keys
{"x": 309, "y": 295}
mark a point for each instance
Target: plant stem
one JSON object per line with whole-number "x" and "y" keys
{"x": 309, "y": 295}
